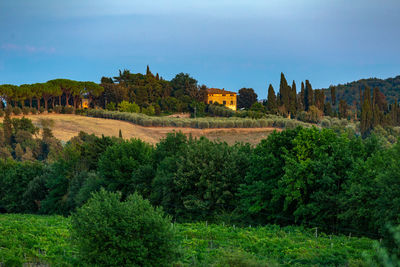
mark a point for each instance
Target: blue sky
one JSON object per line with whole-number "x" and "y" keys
{"x": 221, "y": 43}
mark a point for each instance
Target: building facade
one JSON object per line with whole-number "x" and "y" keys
{"x": 220, "y": 96}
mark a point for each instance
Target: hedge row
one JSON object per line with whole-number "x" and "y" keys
{"x": 201, "y": 123}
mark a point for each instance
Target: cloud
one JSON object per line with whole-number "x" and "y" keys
{"x": 27, "y": 48}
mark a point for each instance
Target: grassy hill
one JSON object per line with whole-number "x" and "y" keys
{"x": 351, "y": 91}
{"x": 67, "y": 126}
{"x": 46, "y": 240}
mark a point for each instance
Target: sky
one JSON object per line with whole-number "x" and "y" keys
{"x": 222, "y": 43}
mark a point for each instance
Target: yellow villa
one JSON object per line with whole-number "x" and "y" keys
{"x": 223, "y": 97}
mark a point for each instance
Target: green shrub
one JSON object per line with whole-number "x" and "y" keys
{"x": 41, "y": 110}
{"x": 203, "y": 124}
{"x": 68, "y": 110}
{"x": 125, "y": 106}
{"x": 17, "y": 111}
{"x": 111, "y": 106}
{"x": 57, "y": 109}
{"x": 111, "y": 232}
{"x": 150, "y": 111}
{"x": 26, "y": 110}
{"x": 34, "y": 111}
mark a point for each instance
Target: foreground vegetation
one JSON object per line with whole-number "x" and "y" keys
{"x": 46, "y": 239}
{"x": 331, "y": 179}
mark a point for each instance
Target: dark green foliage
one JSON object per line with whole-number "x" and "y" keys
{"x": 119, "y": 164}
{"x": 272, "y": 105}
{"x": 257, "y": 202}
{"x": 220, "y": 110}
{"x": 14, "y": 180}
{"x": 366, "y": 123}
{"x": 308, "y": 96}
{"x": 246, "y": 98}
{"x": 200, "y": 180}
{"x": 373, "y": 201}
{"x": 350, "y": 92}
{"x": 333, "y": 95}
{"x": 342, "y": 109}
{"x": 111, "y": 232}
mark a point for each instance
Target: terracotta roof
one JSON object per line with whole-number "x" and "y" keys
{"x": 218, "y": 91}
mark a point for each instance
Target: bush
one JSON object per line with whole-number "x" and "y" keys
{"x": 125, "y": 106}
{"x": 68, "y": 110}
{"x": 41, "y": 110}
{"x": 57, "y": 109}
{"x": 17, "y": 111}
{"x": 34, "y": 111}
{"x": 2, "y": 113}
{"x": 111, "y": 232}
{"x": 111, "y": 106}
{"x": 26, "y": 110}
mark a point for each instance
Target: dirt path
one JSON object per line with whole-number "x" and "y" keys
{"x": 68, "y": 125}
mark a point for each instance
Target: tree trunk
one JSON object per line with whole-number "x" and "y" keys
{"x": 59, "y": 100}
{"x": 53, "y": 100}
{"x": 75, "y": 99}
{"x": 66, "y": 99}
{"x": 46, "y": 99}
{"x": 30, "y": 102}
{"x": 38, "y": 102}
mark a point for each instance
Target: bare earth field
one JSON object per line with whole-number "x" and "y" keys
{"x": 68, "y": 125}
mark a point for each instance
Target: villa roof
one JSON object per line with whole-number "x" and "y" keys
{"x": 218, "y": 91}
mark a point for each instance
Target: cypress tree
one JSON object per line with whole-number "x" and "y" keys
{"x": 366, "y": 113}
{"x": 272, "y": 106}
{"x": 342, "y": 109}
{"x": 148, "y": 72}
{"x": 333, "y": 95}
{"x": 308, "y": 96}
{"x": 120, "y": 134}
{"x": 302, "y": 104}
{"x": 284, "y": 92}
{"x": 328, "y": 109}
{"x": 293, "y": 99}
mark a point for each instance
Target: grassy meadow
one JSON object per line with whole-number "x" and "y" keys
{"x": 45, "y": 240}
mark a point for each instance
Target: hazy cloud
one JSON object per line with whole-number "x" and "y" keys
{"x": 27, "y": 48}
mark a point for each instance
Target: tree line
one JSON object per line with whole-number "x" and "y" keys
{"x": 307, "y": 176}
{"x": 62, "y": 92}
{"x": 310, "y": 105}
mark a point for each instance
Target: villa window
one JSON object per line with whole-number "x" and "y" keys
{"x": 210, "y": 101}
{"x": 224, "y": 102}
{"x": 231, "y": 102}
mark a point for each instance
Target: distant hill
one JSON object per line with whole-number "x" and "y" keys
{"x": 350, "y": 91}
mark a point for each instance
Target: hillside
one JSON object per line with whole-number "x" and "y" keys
{"x": 351, "y": 91}
{"x": 68, "y": 125}
{"x": 45, "y": 240}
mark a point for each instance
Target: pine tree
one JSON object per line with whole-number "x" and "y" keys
{"x": 271, "y": 100}
{"x": 308, "y": 96}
